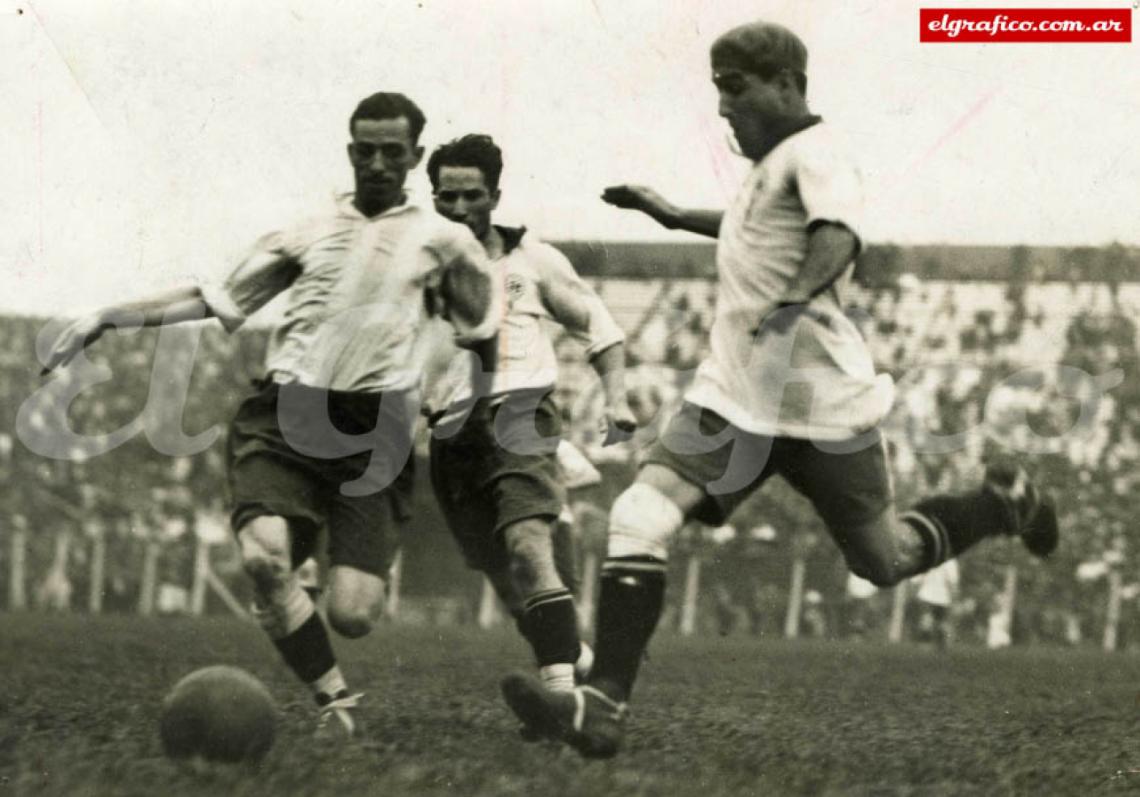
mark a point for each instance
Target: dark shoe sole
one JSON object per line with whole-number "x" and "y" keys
{"x": 531, "y": 708}
{"x": 592, "y": 748}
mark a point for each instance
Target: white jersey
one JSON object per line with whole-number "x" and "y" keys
{"x": 539, "y": 285}
{"x": 356, "y": 299}
{"x": 817, "y": 380}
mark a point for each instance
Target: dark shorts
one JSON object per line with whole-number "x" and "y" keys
{"x": 498, "y": 469}
{"x": 847, "y": 484}
{"x": 325, "y": 459}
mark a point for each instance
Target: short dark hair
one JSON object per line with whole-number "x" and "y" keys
{"x": 389, "y": 105}
{"x": 764, "y": 49}
{"x": 475, "y": 150}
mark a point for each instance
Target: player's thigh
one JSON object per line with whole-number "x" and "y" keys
{"x": 364, "y": 531}
{"x": 704, "y": 465}
{"x": 363, "y": 538}
{"x": 270, "y": 486}
{"x": 850, "y": 488}
{"x": 527, "y": 500}
{"x": 459, "y": 480}
{"x": 500, "y": 487}
{"x": 522, "y": 471}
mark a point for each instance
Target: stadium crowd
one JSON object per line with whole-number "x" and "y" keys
{"x": 1048, "y": 369}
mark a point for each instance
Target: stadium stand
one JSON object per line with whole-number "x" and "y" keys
{"x": 1024, "y": 364}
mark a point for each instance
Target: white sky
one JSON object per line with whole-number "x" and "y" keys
{"x": 147, "y": 143}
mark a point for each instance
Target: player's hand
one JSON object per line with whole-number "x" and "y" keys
{"x": 72, "y": 340}
{"x": 643, "y": 198}
{"x": 620, "y": 423}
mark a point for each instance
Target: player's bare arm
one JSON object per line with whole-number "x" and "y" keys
{"x": 664, "y": 212}
{"x": 170, "y": 307}
{"x": 475, "y": 309}
{"x": 579, "y": 309}
{"x": 831, "y": 248}
{"x": 266, "y": 271}
{"x": 474, "y": 306}
{"x": 609, "y": 364}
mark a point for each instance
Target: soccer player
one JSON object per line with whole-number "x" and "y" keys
{"x": 788, "y": 388}
{"x": 496, "y": 474}
{"x": 326, "y": 438}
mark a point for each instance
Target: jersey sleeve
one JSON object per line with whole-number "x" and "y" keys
{"x": 473, "y": 298}
{"x": 269, "y": 268}
{"x": 573, "y": 303}
{"x": 829, "y": 184}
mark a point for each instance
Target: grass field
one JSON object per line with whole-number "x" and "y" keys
{"x": 80, "y": 696}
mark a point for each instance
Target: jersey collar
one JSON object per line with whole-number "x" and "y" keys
{"x": 793, "y": 127}
{"x": 346, "y": 207}
{"x": 512, "y": 237}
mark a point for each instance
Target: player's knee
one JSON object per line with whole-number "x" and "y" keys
{"x": 643, "y": 522}
{"x": 880, "y": 553}
{"x": 350, "y": 620}
{"x": 264, "y": 545}
{"x": 355, "y": 599}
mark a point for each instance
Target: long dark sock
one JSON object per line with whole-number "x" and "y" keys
{"x": 299, "y": 634}
{"x": 950, "y": 524}
{"x": 632, "y": 595}
{"x": 308, "y": 651}
{"x": 550, "y": 624}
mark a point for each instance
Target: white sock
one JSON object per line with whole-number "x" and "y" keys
{"x": 557, "y": 677}
{"x": 330, "y": 684}
{"x": 287, "y": 611}
{"x": 585, "y": 662}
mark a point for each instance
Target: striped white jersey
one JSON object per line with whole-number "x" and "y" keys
{"x": 357, "y": 289}
{"x": 540, "y": 285}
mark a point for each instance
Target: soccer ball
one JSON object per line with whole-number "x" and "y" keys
{"x": 220, "y": 714}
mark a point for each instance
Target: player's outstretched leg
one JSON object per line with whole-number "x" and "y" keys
{"x": 287, "y": 614}
{"x": 1006, "y": 504}
{"x": 568, "y": 563}
{"x": 543, "y": 608}
{"x": 592, "y": 719}
{"x": 1030, "y": 513}
{"x": 546, "y": 614}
